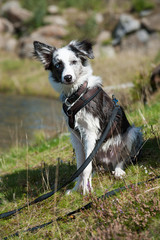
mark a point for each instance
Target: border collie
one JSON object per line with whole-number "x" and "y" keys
{"x": 69, "y": 69}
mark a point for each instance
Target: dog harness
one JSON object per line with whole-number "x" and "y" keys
{"x": 78, "y": 100}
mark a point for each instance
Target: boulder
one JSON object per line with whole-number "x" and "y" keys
{"x": 99, "y": 18}
{"x": 103, "y": 36}
{"x": 8, "y": 43}
{"x": 25, "y": 46}
{"x": 11, "y": 44}
{"x": 51, "y": 31}
{"x": 143, "y": 36}
{"x": 53, "y": 9}
{"x": 152, "y": 22}
{"x": 75, "y": 16}
{"x": 6, "y": 26}
{"x": 105, "y": 51}
{"x": 127, "y": 24}
{"x": 56, "y": 20}
{"x": 148, "y": 43}
{"x": 15, "y": 13}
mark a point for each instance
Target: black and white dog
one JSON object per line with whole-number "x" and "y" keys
{"x": 69, "y": 71}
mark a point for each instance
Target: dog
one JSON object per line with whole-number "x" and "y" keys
{"x": 70, "y": 72}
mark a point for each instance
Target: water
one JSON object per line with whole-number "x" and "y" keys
{"x": 21, "y": 118}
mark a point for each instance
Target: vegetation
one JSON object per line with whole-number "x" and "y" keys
{"x": 140, "y": 5}
{"x": 133, "y": 214}
{"x": 28, "y": 77}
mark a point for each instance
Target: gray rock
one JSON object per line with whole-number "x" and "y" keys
{"x": 56, "y": 20}
{"x": 103, "y": 36}
{"x": 11, "y": 45}
{"x": 152, "y": 22}
{"x": 6, "y": 26}
{"x": 145, "y": 13}
{"x": 127, "y": 24}
{"x": 53, "y": 9}
{"x": 51, "y": 31}
{"x": 99, "y": 18}
{"x": 15, "y": 13}
{"x": 25, "y": 45}
{"x": 134, "y": 43}
{"x": 108, "y": 51}
{"x": 105, "y": 51}
{"x": 143, "y": 36}
{"x": 8, "y": 43}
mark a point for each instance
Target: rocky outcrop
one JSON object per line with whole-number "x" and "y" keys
{"x": 15, "y": 13}
{"x": 126, "y": 25}
{"x": 112, "y": 31}
{"x": 152, "y": 22}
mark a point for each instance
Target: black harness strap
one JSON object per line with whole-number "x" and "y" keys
{"x": 76, "y": 174}
{"x": 75, "y": 104}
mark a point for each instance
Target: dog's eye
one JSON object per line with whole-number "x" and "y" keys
{"x": 58, "y": 65}
{"x": 74, "y": 62}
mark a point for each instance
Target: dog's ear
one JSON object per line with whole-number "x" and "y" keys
{"x": 43, "y": 53}
{"x": 83, "y": 48}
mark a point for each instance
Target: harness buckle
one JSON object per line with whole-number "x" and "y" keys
{"x": 69, "y": 112}
{"x": 115, "y": 101}
{"x": 67, "y": 103}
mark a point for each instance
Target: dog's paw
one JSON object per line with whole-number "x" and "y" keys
{"x": 69, "y": 192}
{"x": 118, "y": 173}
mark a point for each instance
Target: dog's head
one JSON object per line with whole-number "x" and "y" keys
{"x": 67, "y": 64}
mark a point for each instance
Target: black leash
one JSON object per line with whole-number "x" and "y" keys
{"x": 76, "y": 174}
{"x": 85, "y": 207}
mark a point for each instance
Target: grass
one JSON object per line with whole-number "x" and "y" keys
{"x": 33, "y": 170}
{"x": 28, "y": 77}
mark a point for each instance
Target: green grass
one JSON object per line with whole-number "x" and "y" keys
{"x": 30, "y": 171}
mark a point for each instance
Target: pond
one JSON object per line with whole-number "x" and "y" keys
{"x": 23, "y": 118}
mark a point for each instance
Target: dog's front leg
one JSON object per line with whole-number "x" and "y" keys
{"x": 80, "y": 157}
{"x": 89, "y": 140}
{"x": 82, "y": 151}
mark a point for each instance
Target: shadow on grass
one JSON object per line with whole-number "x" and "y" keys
{"x": 34, "y": 181}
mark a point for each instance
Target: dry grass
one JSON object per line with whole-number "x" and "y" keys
{"x": 27, "y": 76}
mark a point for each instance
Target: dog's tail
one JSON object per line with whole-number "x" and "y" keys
{"x": 135, "y": 140}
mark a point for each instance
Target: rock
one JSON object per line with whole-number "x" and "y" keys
{"x": 103, "y": 36}
{"x": 75, "y": 16}
{"x": 127, "y": 24}
{"x": 25, "y": 46}
{"x": 143, "y": 35}
{"x": 8, "y": 43}
{"x": 110, "y": 20}
{"x": 155, "y": 79}
{"x": 57, "y": 20}
{"x": 152, "y": 22}
{"x": 99, "y": 18}
{"x": 145, "y": 12}
{"x": 6, "y": 26}
{"x": 9, "y": 5}
{"x": 15, "y": 13}
{"x": 149, "y": 44}
{"x": 105, "y": 51}
{"x": 51, "y": 31}
{"x": 11, "y": 45}
{"x": 53, "y": 9}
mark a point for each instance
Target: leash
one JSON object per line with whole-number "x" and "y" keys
{"x": 77, "y": 173}
{"x": 89, "y": 205}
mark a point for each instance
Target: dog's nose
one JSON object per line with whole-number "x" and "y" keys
{"x": 68, "y": 78}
